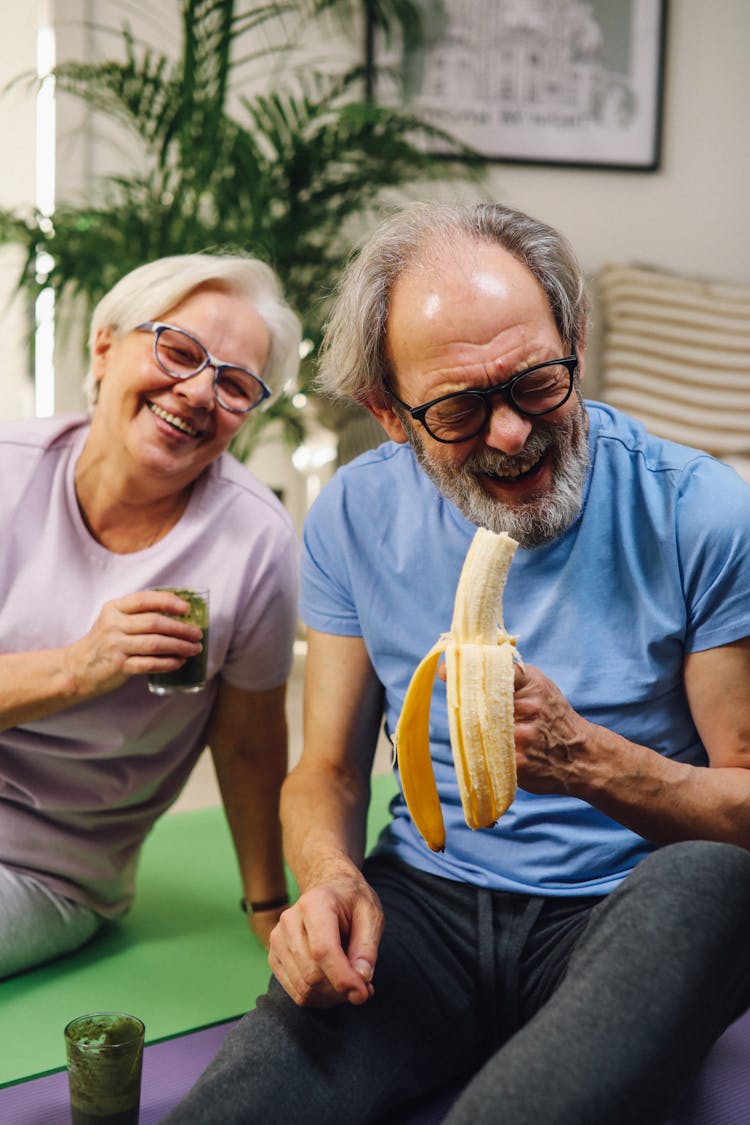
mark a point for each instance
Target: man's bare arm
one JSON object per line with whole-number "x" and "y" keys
{"x": 660, "y": 799}
{"x": 324, "y": 949}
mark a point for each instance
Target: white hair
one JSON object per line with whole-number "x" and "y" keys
{"x": 353, "y": 359}
{"x": 150, "y": 290}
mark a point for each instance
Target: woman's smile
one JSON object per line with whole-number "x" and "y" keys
{"x": 173, "y": 420}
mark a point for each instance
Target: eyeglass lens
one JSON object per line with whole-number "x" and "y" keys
{"x": 182, "y": 356}
{"x": 463, "y": 415}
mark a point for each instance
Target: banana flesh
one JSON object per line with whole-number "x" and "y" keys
{"x": 479, "y": 658}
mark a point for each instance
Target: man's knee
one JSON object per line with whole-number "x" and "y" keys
{"x": 703, "y": 879}
{"x": 698, "y": 862}
{"x": 689, "y": 895}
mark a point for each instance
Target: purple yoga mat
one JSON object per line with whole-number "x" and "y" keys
{"x": 720, "y": 1094}
{"x": 169, "y": 1070}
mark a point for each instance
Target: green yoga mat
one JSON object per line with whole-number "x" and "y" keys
{"x": 183, "y": 957}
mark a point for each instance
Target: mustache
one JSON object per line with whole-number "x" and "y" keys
{"x": 493, "y": 462}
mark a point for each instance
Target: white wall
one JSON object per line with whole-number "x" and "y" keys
{"x": 692, "y": 215}
{"x": 17, "y": 116}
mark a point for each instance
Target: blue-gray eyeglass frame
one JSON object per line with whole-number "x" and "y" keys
{"x": 219, "y": 365}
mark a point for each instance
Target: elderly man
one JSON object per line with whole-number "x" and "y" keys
{"x": 573, "y": 964}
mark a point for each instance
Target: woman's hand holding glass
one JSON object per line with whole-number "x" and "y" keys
{"x": 133, "y": 636}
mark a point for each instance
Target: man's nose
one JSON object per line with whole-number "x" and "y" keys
{"x": 506, "y": 429}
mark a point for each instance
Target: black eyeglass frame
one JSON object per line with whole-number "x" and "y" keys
{"x": 219, "y": 365}
{"x": 418, "y": 412}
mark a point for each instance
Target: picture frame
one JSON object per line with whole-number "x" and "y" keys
{"x": 569, "y": 83}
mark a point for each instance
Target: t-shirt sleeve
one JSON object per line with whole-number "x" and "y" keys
{"x": 327, "y": 600}
{"x": 260, "y": 652}
{"x": 713, "y": 535}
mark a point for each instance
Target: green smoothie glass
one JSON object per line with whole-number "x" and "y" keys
{"x": 192, "y": 675}
{"x": 105, "y": 1059}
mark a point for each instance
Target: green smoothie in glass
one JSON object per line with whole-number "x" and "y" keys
{"x": 105, "y": 1058}
{"x": 192, "y": 675}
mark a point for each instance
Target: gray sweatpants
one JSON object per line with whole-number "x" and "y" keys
{"x": 37, "y": 925}
{"x": 565, "y": 1011}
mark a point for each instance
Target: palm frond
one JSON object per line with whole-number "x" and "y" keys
{"x": 142, "y": 93}
{"x": 286, "y": 172}
{"x": 208, "y": 33}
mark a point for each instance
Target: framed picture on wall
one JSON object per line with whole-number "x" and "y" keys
{"x": 566, "y": 82}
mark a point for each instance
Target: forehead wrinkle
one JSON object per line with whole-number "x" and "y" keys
{"x": 441, "y": 320}
{"x": 501, "y": 355}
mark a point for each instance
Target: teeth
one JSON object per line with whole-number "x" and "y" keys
{"x": 173, "y": 420}
{"x": 518, "y": 470}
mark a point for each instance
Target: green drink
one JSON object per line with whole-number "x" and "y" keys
{"x": 105, "y": 1059}
{"x": 192, "y": 675}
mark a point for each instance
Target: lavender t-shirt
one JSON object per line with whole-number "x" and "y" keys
{"x": 80, "y": 790}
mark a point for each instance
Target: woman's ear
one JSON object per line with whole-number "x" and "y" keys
{"x": 100, "y": 352}
{"x": 388, "y": 419}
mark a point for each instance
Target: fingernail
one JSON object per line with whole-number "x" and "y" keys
{"x": 364, "y": 968}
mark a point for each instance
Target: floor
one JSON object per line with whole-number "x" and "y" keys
{"x": 202, "y": 790}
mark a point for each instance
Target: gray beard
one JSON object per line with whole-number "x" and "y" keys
{"x": 542, "y": 517}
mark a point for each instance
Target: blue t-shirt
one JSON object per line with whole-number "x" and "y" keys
{"x": 656, "y": 565}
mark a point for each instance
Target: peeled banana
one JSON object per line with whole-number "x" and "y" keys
{"x": 479, "y": 657}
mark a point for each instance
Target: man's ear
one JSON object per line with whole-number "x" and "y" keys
{"x": 388, "y": 419}
{"x": 100, "y": 351}
{"x": 581, "y": 353}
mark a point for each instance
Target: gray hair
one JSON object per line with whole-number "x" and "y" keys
{"x": 353, "y": 358}
{"x": 150, "y": 290}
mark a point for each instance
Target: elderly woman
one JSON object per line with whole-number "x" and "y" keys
{"x": 97, "y": 513}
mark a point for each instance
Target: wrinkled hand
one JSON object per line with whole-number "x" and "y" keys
{"x": 132, "y": 636}
{"x": 324, "y": 948}
{"x": 551, "y": 749}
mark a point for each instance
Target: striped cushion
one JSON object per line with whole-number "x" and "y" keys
{"x": 676, "y": 355}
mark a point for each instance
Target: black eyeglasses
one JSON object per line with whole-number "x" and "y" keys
{"x": 461, "y": 415}
{"x": 181, "y": 356}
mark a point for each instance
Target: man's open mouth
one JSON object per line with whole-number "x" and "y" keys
{"x": 518, "y": 471}
{"x": 173, "y": 420}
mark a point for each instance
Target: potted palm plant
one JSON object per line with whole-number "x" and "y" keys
{"x": 288, "y": 171}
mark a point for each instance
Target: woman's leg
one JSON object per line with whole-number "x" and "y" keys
{"x": 37, "y": 925}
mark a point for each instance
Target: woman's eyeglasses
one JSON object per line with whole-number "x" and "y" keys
{"x": 182, "y": 356}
